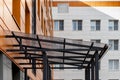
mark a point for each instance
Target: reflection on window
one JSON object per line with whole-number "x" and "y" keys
{"x": 113, "y": 25}
{"x": 113, "y": 44}
{"x": 95, "y": 25}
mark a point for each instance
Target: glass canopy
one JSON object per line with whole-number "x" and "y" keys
{"x": 26, "y": 47}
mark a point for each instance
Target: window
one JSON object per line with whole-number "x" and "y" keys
{"x": 113, "y": 64}
{"x": 113, "y": 25}
{"x": 114, "y": 44}
{"x": 63, "y": 8}
{"x": 77, "y": 25}
{"x": 96, "y": 40}
{"x": 95, "y": 25}
{"x": 59, "y": 25}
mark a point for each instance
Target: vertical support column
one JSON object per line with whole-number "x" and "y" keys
{"x": 45, "y": 67}
{"x": 87, "y": 73}
{"x": 96, "y": 66}
{"x": 49, "y": 73}
{"x": 25, "y": 77}
{"x": 92, "y": 70}
{"x": 50, "y": 78}
{"x": 34, "y": 66}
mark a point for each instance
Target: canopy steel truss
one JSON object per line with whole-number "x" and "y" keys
{"x": 48, "y": 51}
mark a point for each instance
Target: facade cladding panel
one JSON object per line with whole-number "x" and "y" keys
{"x": 19, "y": 15}
{"x": 100, "y": 21}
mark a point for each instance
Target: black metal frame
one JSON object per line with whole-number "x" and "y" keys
{"x": 78, "y": 61}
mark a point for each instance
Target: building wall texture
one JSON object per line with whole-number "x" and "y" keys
{"x": 86, "y": 14}
{"x": 17, "y": 15}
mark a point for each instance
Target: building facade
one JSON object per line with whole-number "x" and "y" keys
{"x": 87, "y": 20}
{"x": 26, "y": 16}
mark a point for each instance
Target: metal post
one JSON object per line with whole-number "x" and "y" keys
{"x": 49, "y": 73}
{"x": 96, "y": 66}
{"x": 25, "y": 77}
{"x": 92, "y": 70}
{"x": 34, "y": 66}
{"x": 50, "y": 78}
{"x": 87, "y": 73}
{"x": 45, "y": 67}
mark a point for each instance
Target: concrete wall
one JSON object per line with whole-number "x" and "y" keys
{"x": 86, "y": 14}
{"x": 5, "y": 68}
{"x": 1, "y": 67}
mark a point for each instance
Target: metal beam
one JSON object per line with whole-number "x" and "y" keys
{"x": 47, "y": 49}
{"x": 103, "y": 51}
{"x": 51, "y": 41}
{"x": 88, "y": 52}
{"x": 73, "y": 64}
{"x": 73, "y": 58}
{"x": 30, "y": 63}
{"x": 56, "y": 67}
{"x": 63, "y": 51}
{"x": 70, "y": 52}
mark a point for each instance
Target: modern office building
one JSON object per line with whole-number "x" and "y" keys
{"x": 90, "y": 20}
{"x": 23, "y": 16}
{"x": 28, "y": 50}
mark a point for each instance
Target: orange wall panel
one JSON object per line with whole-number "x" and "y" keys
{"x": 88, "y": 3}
{"x": 42, "y": 24}
{"x": 9, "y": 21}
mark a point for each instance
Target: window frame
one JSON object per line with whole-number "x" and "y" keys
{"x": 94, "y": 27}
{"x": 112, "y": 43}
{"x": 113, "y": 25}
{"x": 112, "y": 68}
{"x": 58, "y": 27}
{"x": 77, "y": 27}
